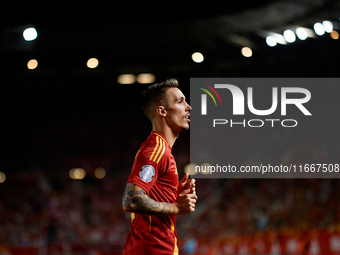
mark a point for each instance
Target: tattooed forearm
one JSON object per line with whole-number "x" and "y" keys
{"x": 136, "y": 200}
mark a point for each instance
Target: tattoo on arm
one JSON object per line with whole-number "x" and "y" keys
{"x": 136, "y": 200}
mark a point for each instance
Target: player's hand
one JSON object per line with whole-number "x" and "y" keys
{"x": 186, "y": 202}
{"x": 186, "y": 183}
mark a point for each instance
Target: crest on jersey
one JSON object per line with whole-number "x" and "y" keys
{"x": 146, "y": 173}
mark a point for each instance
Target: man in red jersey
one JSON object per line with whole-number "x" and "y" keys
{"x": 153, "y": 193}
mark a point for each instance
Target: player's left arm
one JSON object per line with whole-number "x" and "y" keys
{"x": 136, "y": 200}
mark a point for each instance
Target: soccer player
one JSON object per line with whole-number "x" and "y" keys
{"x": 153, "y": 193}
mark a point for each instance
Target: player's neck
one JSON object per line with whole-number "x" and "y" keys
{"x": 167, "y": 132}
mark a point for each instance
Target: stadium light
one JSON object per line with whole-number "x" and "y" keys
{"x": 30, "y": 34}
{"x": 247, "y": 52}
{"x": 270, "y": 40}
{"x": 145, "y": 78}
{"x": 301, "y": 33}
{"x": 197, "y": 57}
{"x": 32, "y": 64}
{"x": 92, "y": 63}
{"x": 279, "y": 38}
{"x": 126, "y": 79}
{"x": 327, "y": 26}
{"x": 335, "y": 35}
{"x": 77, "y": 173}
{"x": 100, "y": 173}
{"x": 190, "y": 169}
{"x": 2, "y": 177}
{"x": 319, "y": 29}
{"x": 289, "y": 36}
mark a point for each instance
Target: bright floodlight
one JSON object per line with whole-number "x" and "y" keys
{"x": 100, "y": 173}
{"x": 32, "y": 64}
{"x": 92, "y": 63}
{"x": 144, "y": 78}
{"x": 2, "y": 177}
{"x": 328, "y": 26}
{"x": 271, "y": 41}
{"x": 246, "y": 52}
{"x": 77, "y": 173}
{"x": 335, "y": 35}
{"x": 318, "y": 29}
{"x": 289, "y": 36}
{"x": 190, "y": 169}
{"x": 197, "y": 57}
{"x": 30, "y": 34}
{"x": 301, "y": 33}
{"x": 126, "y": 79}
{"x": 278, "y": 38}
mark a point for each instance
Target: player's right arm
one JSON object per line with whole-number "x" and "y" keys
{"x": 135, "y": 199}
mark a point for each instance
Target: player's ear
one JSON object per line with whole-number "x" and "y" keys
{"x": 161, "y": 111}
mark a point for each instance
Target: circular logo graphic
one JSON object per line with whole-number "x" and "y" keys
{"x": 146, "y": 173}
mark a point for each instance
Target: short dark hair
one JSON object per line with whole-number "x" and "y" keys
{"x": 154, "y": 95}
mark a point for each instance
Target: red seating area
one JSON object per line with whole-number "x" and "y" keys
{"x": 57, "y": 214}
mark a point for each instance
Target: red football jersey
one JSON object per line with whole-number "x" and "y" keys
{"x": 154, "y": 170}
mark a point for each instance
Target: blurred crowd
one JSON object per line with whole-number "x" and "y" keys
{"x": 40, "y": 211}
{"x": 247, "y": 207}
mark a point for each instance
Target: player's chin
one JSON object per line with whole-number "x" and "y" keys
{"x": 183, "y": 127}
{"x": 186, "y": 127}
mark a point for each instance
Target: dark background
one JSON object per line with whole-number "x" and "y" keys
{"x": 130, "y": 38}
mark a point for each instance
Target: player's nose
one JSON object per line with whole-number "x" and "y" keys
{"x": 188, "y": 107}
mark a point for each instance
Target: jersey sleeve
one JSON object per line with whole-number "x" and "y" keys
{"x": 147, "y": 166}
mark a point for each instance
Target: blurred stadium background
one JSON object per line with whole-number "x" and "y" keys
{"x": 71, "y": 123}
